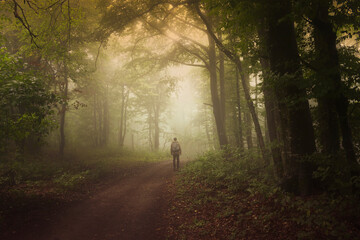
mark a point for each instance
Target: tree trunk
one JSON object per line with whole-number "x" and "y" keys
{"x": 156, "y": 128}
{"x": 132, "y": 142}
{"x": 63, "y": 111}
{"x": 233, "y": 57}
{"x": 256, "y": 95}
{"x": 222, "y": 86}
{"x": 105, "y": 132}
{"x": 247, "y": 116}
{"x": 328, "y": 126}
{"x": 207, "y": 131}
{"x": 150, "y": 128}
{"x": 272, "y": 125}
{"x": 220, "y": 127}
{"x": 123, "y": 116}
{"x": 285, "y": 64}
{"x": 100, "y": 118}
{"x": 239, "y": 118}
{"x": 122, "y": 111}
{"x": 329, "y": 75}
{"x": 96, "y": 140}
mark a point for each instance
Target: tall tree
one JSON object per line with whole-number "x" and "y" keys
{"x": 285, "y": 65}
{"x": 233, "y": 57}
{"x": 332, "y": 102}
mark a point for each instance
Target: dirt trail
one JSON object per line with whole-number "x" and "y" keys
{"x": 130, "y": 209}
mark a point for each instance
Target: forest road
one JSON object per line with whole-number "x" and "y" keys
{"x": 129, "y": 209}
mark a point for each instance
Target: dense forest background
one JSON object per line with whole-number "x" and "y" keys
{"x": 271, "y": 83}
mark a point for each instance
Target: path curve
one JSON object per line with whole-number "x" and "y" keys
{"x": 130, "y": 209}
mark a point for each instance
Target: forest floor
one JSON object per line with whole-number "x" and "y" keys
{"x": 218, "y": 199}
{"x": 151, "y": 202}
{"x": 129, "y": 207}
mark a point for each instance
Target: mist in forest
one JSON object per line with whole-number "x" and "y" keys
{"x": 263, "y": 98}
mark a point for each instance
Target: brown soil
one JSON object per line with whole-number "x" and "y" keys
{"x": 131, "y": 208}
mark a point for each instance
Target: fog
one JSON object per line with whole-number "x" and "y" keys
{"x": 142, "y": 99}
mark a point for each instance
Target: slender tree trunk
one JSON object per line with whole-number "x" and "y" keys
{"x": 256, "y": 95}
{"x": 123, "y": 116}
{"x": 247, "y": 116}
{"x": 156, "y": 128}
{"x": 66, "y": 86}
{"x": 62, "y": 130}
{"x": 284, "y": 62}
{"x": 222, "y": 86}
{"x": 132, "y": 142}
{"x": 239, "y": 118}
{"x": 220, "y": 127}
{"x": 342, "y": 105}
{"x": 150, "y": 129}
{"x": 207, "y": 131}
{"x": 100, "y": 118}
{"x": 105, "y": 132}
{"x": 96, "y": 140}
{"x": 63, "y": 111}
{"x": 122, "y": 113}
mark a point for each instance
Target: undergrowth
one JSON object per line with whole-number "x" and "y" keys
{"x": 222, "y": 197}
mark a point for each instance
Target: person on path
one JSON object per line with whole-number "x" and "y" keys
{"x": 175, "y": 150}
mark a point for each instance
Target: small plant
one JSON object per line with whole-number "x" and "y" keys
{"x": 72, "y": 181}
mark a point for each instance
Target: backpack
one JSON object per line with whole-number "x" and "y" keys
{"x": 175, "y": 147}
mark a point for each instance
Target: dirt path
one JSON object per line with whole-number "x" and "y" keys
{"x": 129, "y": 209}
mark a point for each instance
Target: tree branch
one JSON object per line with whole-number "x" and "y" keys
{"x": 24, "y": 21}
{"x": 177, "y": 42}
{"x": 184, "y": 63}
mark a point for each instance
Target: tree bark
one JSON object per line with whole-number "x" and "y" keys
{"x": 122, "y": 111}
{"x": 285, "y": 64}
{"x": 100, "y": 121}
{"x": 220, "y": 127}
{"x": 63, "y": 110}
{"x": 150, "y": 129}
{"x": 106, "y": 122}
{"x": 239, "y": 117}
{"x": 329, "y": 75}
{"x": 272, "y": 124}
{"x": 207, "y": 131}
{"x": 247, "y": 116}
{"x": 156, "y": 127}
{"x": 123, "y": 116}
{"x": 272, "y": 111}
{"x": 96, "y": 139}
{"x": 222, "y": 86}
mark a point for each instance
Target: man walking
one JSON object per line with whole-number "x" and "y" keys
{"x": 175, "y": 150}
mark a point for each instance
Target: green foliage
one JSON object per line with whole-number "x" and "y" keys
{"x": 25, "y": 104}
{"x": 72, "y": 181}
{"x": 333, "y": 175}
{"x": 213, "y": 171}
{"x": 350, "y": 70}
{"x": 91, "y": 165}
